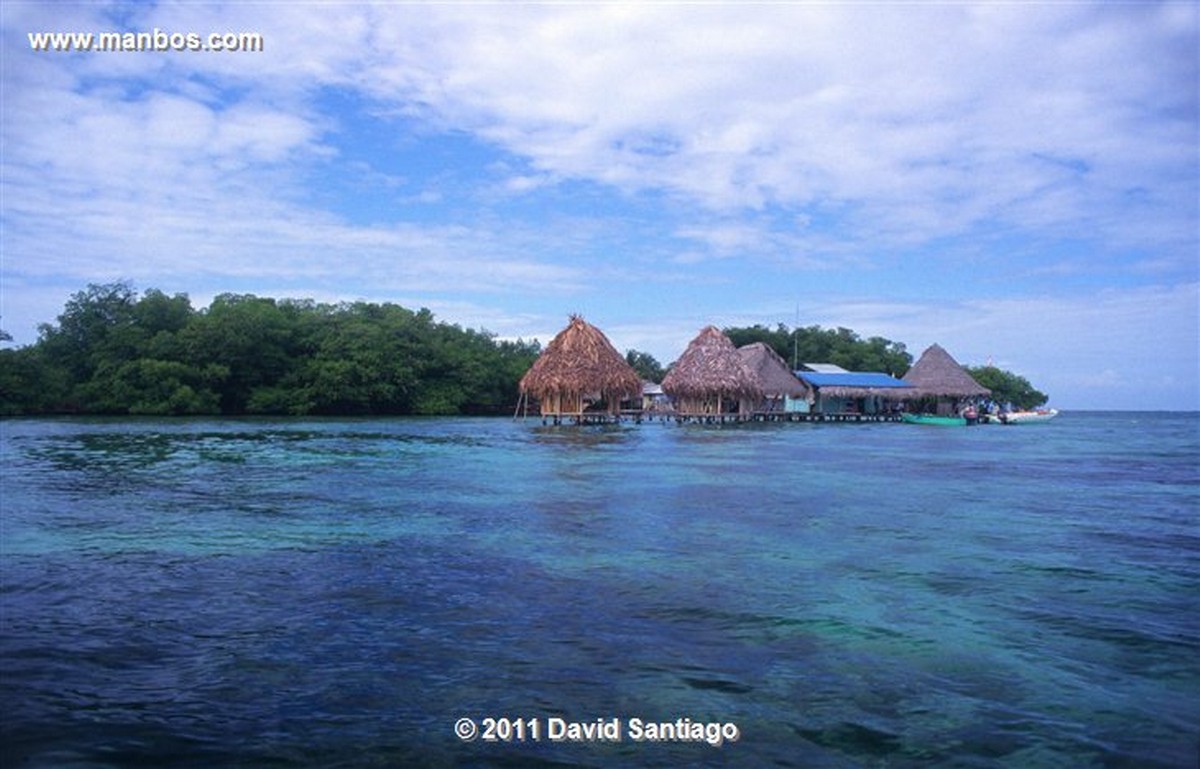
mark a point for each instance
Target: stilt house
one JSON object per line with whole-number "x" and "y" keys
{"x": 780, "y": 386}
{"x": 941, "y": 383}
{"x": 710, "y": 379}
{"x": 578, "y": 370}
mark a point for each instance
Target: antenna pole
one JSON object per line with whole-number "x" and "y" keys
{"x": 796, "y": 340}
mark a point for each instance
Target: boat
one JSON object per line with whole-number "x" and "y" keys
{"x": 1028, "y": 417}
{"x": 933, "y": 419}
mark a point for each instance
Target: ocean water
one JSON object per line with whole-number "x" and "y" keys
{"x": 342, "y": 593}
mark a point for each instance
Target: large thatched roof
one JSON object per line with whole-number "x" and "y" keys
{"x": 773, "y": 373}
{"x": 711, "y": 366}
{"x": 581, "y": 361}
{"x": 937, "y": 374}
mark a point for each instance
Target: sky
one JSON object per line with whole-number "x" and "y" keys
{"x": 1018, "y": 182}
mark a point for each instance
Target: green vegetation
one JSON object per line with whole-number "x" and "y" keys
{"x": 841, "y": 347}
{"x": 113, "y": 352}
{"x": 1007, "y": 387}
{"x": 645, "y": 365}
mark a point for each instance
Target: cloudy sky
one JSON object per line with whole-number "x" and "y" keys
{"x": 1015, "y": 181}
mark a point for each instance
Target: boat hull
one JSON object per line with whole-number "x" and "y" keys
{"x": 933, "y": 420}
{"x": 1028, "y": 417}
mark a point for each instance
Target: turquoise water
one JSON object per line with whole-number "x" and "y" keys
{"x": 342, "y": 592}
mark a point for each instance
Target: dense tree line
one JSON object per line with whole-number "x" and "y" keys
{"x": 839, "y": 346}
{"x": 115, "y": 352}
{"x": 1007, "y": 387}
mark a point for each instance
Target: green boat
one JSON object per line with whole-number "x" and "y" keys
{"x": 933, "y": 419}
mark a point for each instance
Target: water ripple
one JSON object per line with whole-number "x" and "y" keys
{"x": 338, "y": 592}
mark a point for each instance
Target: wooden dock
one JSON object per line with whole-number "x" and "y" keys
{"x": 583, "y": 418}
{"x": 605, "y": 418}
{"x": 796, "y": 416}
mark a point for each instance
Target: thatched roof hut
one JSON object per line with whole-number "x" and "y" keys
{"x": 710, "y": 377}
{"x": 937, "y": 375}
{"x": 578, "y": 365}
{"x": 777, "y": 380}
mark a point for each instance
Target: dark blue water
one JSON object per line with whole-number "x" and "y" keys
{"x": 341, "y": 593}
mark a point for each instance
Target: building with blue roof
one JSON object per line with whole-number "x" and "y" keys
{"x": 853, "y": 392}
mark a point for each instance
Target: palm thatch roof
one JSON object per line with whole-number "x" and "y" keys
{"x": 937, "y": 374}
{"x": 776, "y": 379}
{"x": 581, "y": 361}
{"x": 711, "y": 366}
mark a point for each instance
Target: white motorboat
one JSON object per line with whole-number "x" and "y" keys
{"x": 1027, "y": 417}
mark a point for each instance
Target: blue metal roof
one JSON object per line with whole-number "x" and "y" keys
{"x": 851, "y": 379}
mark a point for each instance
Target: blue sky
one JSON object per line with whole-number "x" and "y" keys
{"x": 1015, "y": 181}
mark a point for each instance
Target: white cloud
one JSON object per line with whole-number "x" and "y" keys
{"x": 922, "y": 122}
{"x": 162, "y": 185}
{"x": 933, "y": 119}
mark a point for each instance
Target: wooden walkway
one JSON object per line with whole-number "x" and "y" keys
{"x": 586, "y": 418}
{"x": 604, "y": 418}
{"x": 776, "y": 416}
